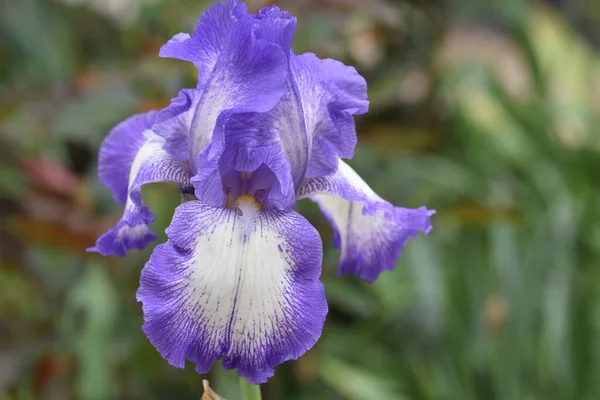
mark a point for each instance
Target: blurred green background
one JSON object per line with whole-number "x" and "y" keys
{"x": 486, "y": 111}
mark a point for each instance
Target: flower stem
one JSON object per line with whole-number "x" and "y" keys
{"x": 249, "y": 391}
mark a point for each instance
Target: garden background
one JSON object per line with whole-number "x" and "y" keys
{"x": 487, "y": 111}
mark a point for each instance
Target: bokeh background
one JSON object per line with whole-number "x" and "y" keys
{"x": 487, "y": 111}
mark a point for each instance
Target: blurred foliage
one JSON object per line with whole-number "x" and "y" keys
{"x": 485, "y": 111}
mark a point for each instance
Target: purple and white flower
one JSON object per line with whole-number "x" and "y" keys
{"x": 238, "y": 278}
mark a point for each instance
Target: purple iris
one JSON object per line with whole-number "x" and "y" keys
{"x": 238, "y": 278}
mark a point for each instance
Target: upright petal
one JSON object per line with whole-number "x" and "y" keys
{"x": 276, "y": 138}
{"x": 249, "y": 76}
{"x": 241, "y": 284}
{"x": 211, "y": 36}
{"x": 214, "y": 30}
{"x": 119, "y": 150}
{"x": 370, "y": 231}
{"x": 311, "y": 126}
{"x": 275, "y": 26}
{"x": 151, "y": 163}
{"x": 331, "y": 93}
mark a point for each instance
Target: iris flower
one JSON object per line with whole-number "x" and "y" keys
{"x": 238, "y": 278}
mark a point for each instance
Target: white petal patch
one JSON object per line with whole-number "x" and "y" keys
{"x": 151, "y": 164}
{"x": 239, "y": 283}
{"x": 240, "y": 277}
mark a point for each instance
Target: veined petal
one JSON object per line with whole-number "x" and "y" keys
{"x": 118, "y": 151}
{"x": 370, "y": 231}
{"x": 150, "y": 164}
{"x": 331, "y": 93}
{"x": 249, "y": 76}
{"x": 241, "y": 284}
{"x": 174, "y": 122}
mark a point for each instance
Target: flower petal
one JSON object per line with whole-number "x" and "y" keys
{"x": 249, "y": 76}
{"x": 253, "y": 139}
{"x": 151, "y": 163}
{"x": 330, "y": 93}
{"x": 174, "y": 122}
{"x": 370, "y": 231}
{"x": 211, "y": 36}
{"x": 275, "y": 26}
{"x": 119, "y": 150}
{"x": 312, "y": 121}
{"x": 238, "y": 284}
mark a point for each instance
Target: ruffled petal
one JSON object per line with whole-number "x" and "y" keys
{"x": 370, "y": 231}
{"x": 119, "y": 150}
{"x": 241, "y": 284}
{"x": 331, "y": 93}
{"x": 273, "y": 25}
{"x": 174, "y": 122}
{"x": 150, "y": 164}
{"x": 211, "y": 36}
{"x": 249, "y": 77}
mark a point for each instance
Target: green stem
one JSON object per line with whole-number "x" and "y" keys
{"x": 249, "y": 391}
